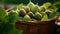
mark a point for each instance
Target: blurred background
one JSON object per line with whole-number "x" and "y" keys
{"x": 26, "y": 1}
{"x": 12, "y": 3}
{"x": 15, "y": 2}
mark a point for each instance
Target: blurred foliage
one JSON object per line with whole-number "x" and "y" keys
{"x": 27, "y": 1}
{"x": 57, "y": 4}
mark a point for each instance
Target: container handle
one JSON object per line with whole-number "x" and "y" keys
{"x": 58, "y": 21}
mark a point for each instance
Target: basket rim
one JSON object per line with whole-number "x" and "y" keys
{"x": 55, "y": 18}
{"x": 51, "y": 21}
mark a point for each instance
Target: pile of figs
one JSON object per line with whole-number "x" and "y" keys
{"x": 34, "y": 12}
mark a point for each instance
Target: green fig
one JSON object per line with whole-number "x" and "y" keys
{"x": 31, "y": 5}
{"x": 42, "y": 13}
{"x": 22, "y": 12}
{"x": 35, "y": 9}
{"x": 46, "y": 5}
{"x": 27, "y": 9}
{"x": 20, "y": 6}
{"x": 45, "y": 17}
{"x": 38, "y": 16}
{"x": 27, "y": 18}
{"x": 42, "y": 9}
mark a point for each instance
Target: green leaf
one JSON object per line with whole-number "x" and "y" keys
{"x": 14, "y": 31}
{"x": 53, "y": 14}
{"x": 3, "y": 14}
{"x": 12, "y": 17}
{"x": 57, "y": 4}
{"x": 6, "y": 28}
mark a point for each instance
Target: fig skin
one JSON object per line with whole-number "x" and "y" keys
{"x": 31, "y": 5}
{"x": 42, "y": 9}
{"x": 46, "y": 5}
{"x": 38, "y": 16}
{"x": 31, "y": 14}
{"x": 27, "y": 18}
{"x": 27, "y": 9}
{"x": 35, "y": 9}
{"x": 22, "y": 12}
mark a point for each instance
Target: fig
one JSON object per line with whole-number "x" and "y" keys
{"x": 46, "y": 5}
{"x": 20, "y": 6}
{"x": 27, "y": 18}
{"x": 35, "y": 9}
{"x": 22, "y": 12}
{"x": 27, "y": 9}
{"x": 38, "y": 16}
{"x": 31, "y": 5}
{"x": 44, "y": 18}
{"x": 31, "y": 14}
{"x": 42, "y": 13}
{"x": 42, "y": 9}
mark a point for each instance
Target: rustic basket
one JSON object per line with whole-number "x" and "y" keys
{"x": 37, "y": 27}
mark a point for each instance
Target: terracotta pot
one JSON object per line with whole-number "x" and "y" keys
{"x": 37, "y": 27}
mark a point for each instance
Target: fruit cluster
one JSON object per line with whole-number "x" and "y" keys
{"x": 34, "y": 12}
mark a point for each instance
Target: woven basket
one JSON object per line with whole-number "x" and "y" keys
{"x": 37, "y": 27}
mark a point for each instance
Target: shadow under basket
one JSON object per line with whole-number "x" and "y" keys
{"x": 38, "y": 27}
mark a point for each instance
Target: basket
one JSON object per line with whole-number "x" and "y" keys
{"x": 37, "y": 27}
